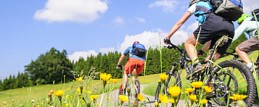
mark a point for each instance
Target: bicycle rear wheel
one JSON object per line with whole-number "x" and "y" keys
{"x": 172, "y": 80}
{"x": 232, "y": 77}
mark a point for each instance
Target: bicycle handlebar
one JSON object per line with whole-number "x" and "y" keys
{"x": 172, "y": 46}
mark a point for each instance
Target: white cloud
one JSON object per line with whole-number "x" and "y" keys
{"x": 71, "y": 10}
{"x": 84, "y": 54}
{"x": 107, "y": 50}
{"x": 250, "y": 5}
{"x": 141, "y": 20}
{"x": 81, "y": 54}
{"x": 166, "y": 5}
{"x": 148, "y": 38}
{"x": 118, "y": 20}
{"x": 152, "y": 39}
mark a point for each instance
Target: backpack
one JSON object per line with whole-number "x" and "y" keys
{"x": 138, "y": 50}
{"x": 229, "y": 9}
{"x": 255, "y": 14}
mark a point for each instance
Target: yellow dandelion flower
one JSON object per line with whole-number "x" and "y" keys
{"x": 141, "y": 97}
{"x": 66, "y": 104}
{"x": 105, "y": 77}
{"x": 237, "y": 97}
{"x": 156, "y": 104}
{"x": 203, "y": 101}
{"x": 94, "y": 97}
{"x": 193, "y": 97}
{"x": 163, "y": 98}
{"x": 59, "y": 93}
{"x": 80, "y": 79}
{"x": 163, "y": 76}
{"x": 207, "y": 89}
{"x": 189, "y": 90}
{"x": 67, "y": 96}
{"x": 114, "y": 80}
{"x": 174, "y": 91}
{"x": 123, "y": 98}
{"x": 171, "y": 101}
{"x": 197, "y": 84}
{"x": 88, "y": 91}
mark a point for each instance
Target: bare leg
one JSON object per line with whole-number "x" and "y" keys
{"x": 190, "y": 48}
{"x": 243, "y": 55}
{"x": 125, "y": 79}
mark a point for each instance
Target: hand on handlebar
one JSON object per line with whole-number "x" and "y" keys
{"x": 167, "y": 41}
{"x": 119, "y": 67}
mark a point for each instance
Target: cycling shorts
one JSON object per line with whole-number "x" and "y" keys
{"x": 212, "y": 30}
{"x": 249, "y": 45}
{"x": 132, "y": 63}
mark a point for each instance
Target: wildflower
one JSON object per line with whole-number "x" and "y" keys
{"x": 197, "y": 84}
{"x": 163, "y": 98}
{"x": 80, "y": 79}
{"x": 189, "y": 90}
{"x": 207, "y": 89}
{"x": 59, "y": 93}
{"x": 140, "y": 97}
{"x": 163, "y": 76}
{"x": 94, "y": 97}
{"x": 50, "y": 96}
{"x": 105, "y": 77}
{"x": 203, "y": 101}
{"x": 114, "y": 80}
{"x": 123, "y": 98}
{"x": 174, "y": 91}
{"x": 193, "y": 97}
{"x": 237, "y": 97}
{"x": 156, "y": 104}
{"x": 88, "y": 91}
{"x": 171, "y": 101}
{"x": 66, "y": 104}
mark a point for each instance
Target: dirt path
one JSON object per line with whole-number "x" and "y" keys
{"x": 111, "y": 100}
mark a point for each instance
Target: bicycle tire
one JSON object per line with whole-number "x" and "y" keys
{"x": 172, "y": 80}
{"x": 137, "y": 91}
{"x": 241, "y": 74}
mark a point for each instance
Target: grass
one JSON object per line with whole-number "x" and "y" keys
{"x": 25, "y": 96}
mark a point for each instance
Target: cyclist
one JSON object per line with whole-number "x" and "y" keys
{"x": 210, "y": 27}
{"x": 136, "y": 59}
{"x": 249, "y": 27}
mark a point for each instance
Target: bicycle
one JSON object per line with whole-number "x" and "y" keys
{"x": 225, "y": 77}
{"x": 132, "y": 88}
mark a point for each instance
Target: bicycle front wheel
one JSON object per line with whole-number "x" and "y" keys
{"x": 232, "y": 77}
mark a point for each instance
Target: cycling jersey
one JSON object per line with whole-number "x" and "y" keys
{"x": 248, "y": 27}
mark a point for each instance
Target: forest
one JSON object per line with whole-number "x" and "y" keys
{"x": 53, "y": 67}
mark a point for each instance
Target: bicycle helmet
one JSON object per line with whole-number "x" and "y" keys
{"x": 242, "y": 18}
{"x": 136, "y": 42}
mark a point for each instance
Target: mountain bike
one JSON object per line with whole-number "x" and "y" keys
{"x": 226, "y": 78}
{"x": 132, "y": 88}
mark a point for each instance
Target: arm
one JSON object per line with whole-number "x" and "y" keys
{"x": 240, "y": 29}
{"x": 121, "y": 59}
{"x": 178, "y": 24}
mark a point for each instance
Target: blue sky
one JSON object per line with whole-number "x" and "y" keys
{"x": 29, "y": 28}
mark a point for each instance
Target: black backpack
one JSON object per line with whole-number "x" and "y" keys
{"x": 139, "y": 50}
{"x": 229, "y": 9}
{"x": 255, "y": 14}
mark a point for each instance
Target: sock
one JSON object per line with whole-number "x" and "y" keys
{"x": 249, "y": 65}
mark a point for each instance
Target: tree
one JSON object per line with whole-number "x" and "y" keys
{"x": 50, "y": 67}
